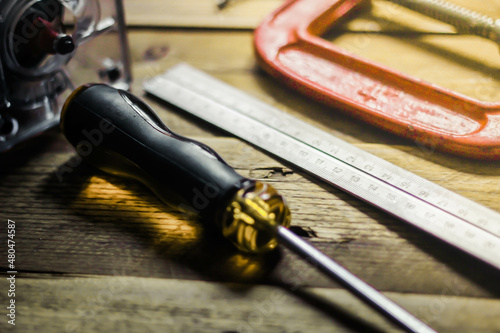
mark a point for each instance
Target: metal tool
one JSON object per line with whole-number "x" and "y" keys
{"x": 49, "y": 47}
{"x": 463, "y": 19}
{"x": 288, "y": 46}
{"x": 115, "y": 131}
{"x": 434, "y": 209}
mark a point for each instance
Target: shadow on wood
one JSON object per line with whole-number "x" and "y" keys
{"x": 143, "y": 232}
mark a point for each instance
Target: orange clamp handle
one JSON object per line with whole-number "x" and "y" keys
{"x": 288, "y": 46}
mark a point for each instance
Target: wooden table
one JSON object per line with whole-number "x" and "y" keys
{"x": 100, "y": 254}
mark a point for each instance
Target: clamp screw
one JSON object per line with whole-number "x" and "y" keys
{"x": 463, "y": 19}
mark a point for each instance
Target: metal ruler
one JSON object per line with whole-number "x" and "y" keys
{"x": 432, "y": 208}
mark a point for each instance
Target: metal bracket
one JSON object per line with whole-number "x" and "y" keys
{"x": 288, "y": 46}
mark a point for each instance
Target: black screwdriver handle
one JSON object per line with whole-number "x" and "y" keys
{"x": 118, "y": 133}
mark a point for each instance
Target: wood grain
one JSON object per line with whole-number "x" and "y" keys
{"x": 238, "y": 14}
{"x": 247, "y": 14}
{"x": 124, "y": 304}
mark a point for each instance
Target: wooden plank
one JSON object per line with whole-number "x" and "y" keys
{"x": 238, "y": 14}
{"x": 81, "y": 221}
{"x": 247, "y": 14}
{"x": 124, "y": 304}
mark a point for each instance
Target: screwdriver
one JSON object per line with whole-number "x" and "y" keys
{"x": 118, "y": 133}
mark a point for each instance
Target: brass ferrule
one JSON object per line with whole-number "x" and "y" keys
{"x": 252, "y": 217}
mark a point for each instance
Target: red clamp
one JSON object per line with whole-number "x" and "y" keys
{"x": 288, "y": 46}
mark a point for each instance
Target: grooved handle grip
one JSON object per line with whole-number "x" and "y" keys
{"x": 118, "y": 133}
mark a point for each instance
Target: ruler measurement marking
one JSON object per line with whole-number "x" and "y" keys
{"x": 393, "y": 189}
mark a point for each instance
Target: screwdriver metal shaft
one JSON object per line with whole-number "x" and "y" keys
{"x": 118, "y": 133}
{"x": 351, "y": 282}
